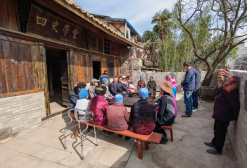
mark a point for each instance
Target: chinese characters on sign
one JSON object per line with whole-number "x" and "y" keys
{"x": 45, "y": 24}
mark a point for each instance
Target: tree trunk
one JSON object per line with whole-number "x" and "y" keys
{"x": 209, "y": 75}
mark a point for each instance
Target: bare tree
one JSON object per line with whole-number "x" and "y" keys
{"x": 228, "y": 17}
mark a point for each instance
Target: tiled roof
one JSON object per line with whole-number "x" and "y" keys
{"x": 102, "y": 25}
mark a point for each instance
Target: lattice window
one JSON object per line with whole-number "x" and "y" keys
{"x": 23, "y": 11}
{"x": 107, "y": 46}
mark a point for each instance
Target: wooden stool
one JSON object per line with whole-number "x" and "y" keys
{"x": 168, "y": 127}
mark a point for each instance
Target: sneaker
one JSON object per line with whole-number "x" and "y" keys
{"x": 214, "y": 152}
{"x": 209, "y": 144}
{"x": 194, "y": 110}
{"x": 186, "y": 115}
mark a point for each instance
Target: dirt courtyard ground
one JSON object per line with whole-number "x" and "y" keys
{"x": 42, "y": 147}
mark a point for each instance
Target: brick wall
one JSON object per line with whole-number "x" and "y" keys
{"x": 22, "y": 112}
{"x": 238, "y": 129}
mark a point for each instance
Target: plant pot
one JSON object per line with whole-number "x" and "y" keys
{"x": 208, "y": 92}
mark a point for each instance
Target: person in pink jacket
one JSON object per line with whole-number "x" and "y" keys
{"x": 98, "y": 105}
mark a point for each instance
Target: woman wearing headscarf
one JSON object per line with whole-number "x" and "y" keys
{"x": 82, "y": 105}
{"x": 174, "y": 91}
{"x": 226, "y": 109}
{"x": 143, "y": 114}
{"x": 166, "y": 113}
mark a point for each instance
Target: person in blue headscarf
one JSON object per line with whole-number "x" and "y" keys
{"x": 108, "y": 95}
{"x": 143, "y": 115}
{"x": 141, "y": 83}
{"x": 82, "y": 104}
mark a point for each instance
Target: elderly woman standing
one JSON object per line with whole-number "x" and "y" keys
{"x": 226, "y": 109}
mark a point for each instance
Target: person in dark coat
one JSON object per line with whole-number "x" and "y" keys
{"x": 226, "y": 109}
{"x": 121, "y": 88}
{"x": 152, "y": 86}
{"x": 195, "y": 94}
{"x": 189, "y": 86}
{"x": 166, "y": 113}
{"x": 113, "y": 86}
{"x": 143, "y": 115}
{"x": 104, "y": 75}
{"x": 74, "y": 95}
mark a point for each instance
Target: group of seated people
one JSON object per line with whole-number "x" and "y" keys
{"x": 145, "y": 117}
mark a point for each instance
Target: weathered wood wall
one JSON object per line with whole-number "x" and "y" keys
{"x": 19, "y": 61}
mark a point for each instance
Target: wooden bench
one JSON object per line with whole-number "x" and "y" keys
{"x": 152, "y": 138}
{"x": 168, "y": 127}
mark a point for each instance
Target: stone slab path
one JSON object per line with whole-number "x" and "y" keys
{"x": 42, "y": 148}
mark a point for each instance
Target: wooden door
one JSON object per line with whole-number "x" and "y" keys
{"x": 64, "y": 81}
{"x": 103, "y": 64}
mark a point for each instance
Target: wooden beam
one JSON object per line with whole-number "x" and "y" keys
{"x": 3, "y": 95}
{"x": 45, "y": 79}
{"x": 71, "y": 72}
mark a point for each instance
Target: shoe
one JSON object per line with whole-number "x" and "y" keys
{"x": 127, "y": 138}
{"x": 185, "y": 112}
{"x": 108, "y": 133}
{"x": 120, "y": 136}
{"x": 209, "y": 144}
{"x": 186, "y": 115}
{"x": 194, "y": 110}
{"x": 214, "y": 152}
{"x": 164, "y": 140}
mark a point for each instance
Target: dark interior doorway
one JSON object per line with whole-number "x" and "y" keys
{"x": 96, "y": 69}
{"x": 57, "y": 77}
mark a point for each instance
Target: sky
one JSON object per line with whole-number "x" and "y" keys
{"x": 138, "y": 12}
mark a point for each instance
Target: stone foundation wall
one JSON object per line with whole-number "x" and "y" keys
{"x": 22, "y": 112}
{"x": 238, "y": 129}
{"x": 161, "y": 76}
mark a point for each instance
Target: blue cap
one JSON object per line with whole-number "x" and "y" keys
{"x": 143, "y": 93}
{"x": 118, "y": 98}
{"x": 83, "y": 93}
{"x": 141, "y": 77}
{"x": 104, "y": 80}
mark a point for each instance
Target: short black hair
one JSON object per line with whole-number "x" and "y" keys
{"x": 187, "y": 64}
{"x": 152, "y": 77}
{"x": 100, "y": 90}
{"x": 81, "y": 85}
{"x": 120, "y": 77}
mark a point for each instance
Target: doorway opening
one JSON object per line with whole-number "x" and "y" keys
{"x": 57, "y": 79}
{"x": 96, "y": 69}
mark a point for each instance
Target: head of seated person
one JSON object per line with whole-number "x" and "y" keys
{"x": 100, "y": 90}
{"x": 105, "y": 81}
{"x": 143, "y": 92}
{"x": 166, "y": 88}
{"x": 118, "y": 99}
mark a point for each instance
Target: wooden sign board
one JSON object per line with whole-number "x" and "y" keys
{"x": 50, "y": 26}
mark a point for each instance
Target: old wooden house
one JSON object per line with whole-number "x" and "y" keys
{"x": 46, "y": 47}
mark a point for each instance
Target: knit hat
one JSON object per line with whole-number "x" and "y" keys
{"x": 104, "y": 80}
{"x": 141, "y": 77}
{"x": 100, "y": 90}
{"x": 83, "y": 93}
{"x": 166, "y": 86}
{"x": 81, "y": 85}
{"x": 143, "y": 93}
{"x": 118, "y": 98}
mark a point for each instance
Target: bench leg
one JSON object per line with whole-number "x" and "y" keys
{"x": 77, "y": 131}
{"x": 140, "y": 152}
{"x": 146, "y": 145}
{"x": 171, "y": 133}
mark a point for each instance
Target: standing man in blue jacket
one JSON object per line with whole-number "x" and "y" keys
{"x": 195, "y": 94}
{"x": 189, "y": 86}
